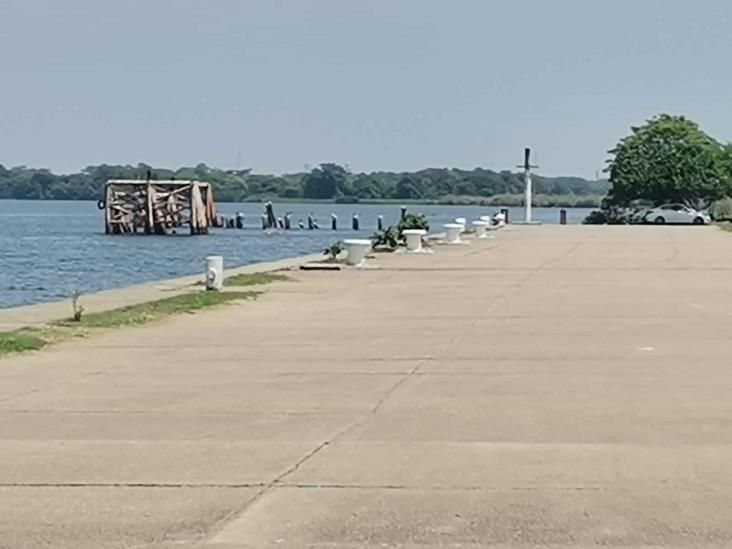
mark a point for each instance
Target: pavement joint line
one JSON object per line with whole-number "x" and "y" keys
{"x": 219, "y": 525}
{"x": 406, "y": 487}
{"x": 396, "y": 386}
{"x": 19, "y": 395}
{"x": 315, "y": 451}
{"x": 194, "y": 413}
{"x": 308, "y": 486}
{"x": 130, "y": 485}
{"x": 58, "y": 385}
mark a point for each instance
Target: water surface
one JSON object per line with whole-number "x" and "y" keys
{"x": 48, "y": 249}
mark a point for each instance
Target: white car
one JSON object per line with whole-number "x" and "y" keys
{"x": 676, "y": 213}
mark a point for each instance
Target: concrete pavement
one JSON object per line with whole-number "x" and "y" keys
{"x": 556, "y": 386}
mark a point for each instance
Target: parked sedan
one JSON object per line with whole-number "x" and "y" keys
{"x": 676, "y": 213}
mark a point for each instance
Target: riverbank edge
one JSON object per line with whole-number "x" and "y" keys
{"x": 456, "y": 200}
{"x": 40, "y": 314}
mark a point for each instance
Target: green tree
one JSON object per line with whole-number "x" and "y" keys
{"x": 668, "y": 159}
{"x": 366, "y": 186}
{"x": 407, "y": 188}
{"x": 323, "y": 181}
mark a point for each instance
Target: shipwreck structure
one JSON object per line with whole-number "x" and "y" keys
{"x": 158, "y": 207}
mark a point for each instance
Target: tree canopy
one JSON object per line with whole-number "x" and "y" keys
{"x": 669, "y": 159}
{"x": 325, "y": 182}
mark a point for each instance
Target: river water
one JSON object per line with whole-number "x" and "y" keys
{"x": 49, "y": 249}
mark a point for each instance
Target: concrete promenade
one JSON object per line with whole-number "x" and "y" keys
{"x": 555, "y": 386}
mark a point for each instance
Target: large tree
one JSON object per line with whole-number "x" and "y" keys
{"x": 669, "y": 159}
{"x": 324, "y": 181}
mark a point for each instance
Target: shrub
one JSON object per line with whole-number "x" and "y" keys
{"x": 333, "y": 251}
{"x": 387, "y": 238}
{"x": 76, "y": 306}
{"x": 597, "y": 217}
{"x": 721, "y": 210}
{"x": 413, "y": 221}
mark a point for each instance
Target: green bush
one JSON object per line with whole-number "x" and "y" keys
{"x": 386, "y": 239}
{"x": 333, "y": 251}
{"x": 413, "y": 221}
{"x": 721, "y": 210}
{"x": 597, "y": 217}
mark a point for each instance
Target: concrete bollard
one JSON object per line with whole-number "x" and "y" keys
{"x": 414, "y": 240}
{"x": 453, "y": 232}
{"x": 214, "y": 272}
{"x": 334, "y": 222}
{"x": 356, "y": 251}
{"x": 380, "y": 223}
{"x": 461, "y": 221}
{"x": 481, "y": 228}
{"x": 355, "y": 222}
{"x": 562, "y": 216}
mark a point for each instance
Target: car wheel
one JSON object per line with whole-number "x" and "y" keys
{"x": 660, "y": 220}
{"x": 698, "y": 221}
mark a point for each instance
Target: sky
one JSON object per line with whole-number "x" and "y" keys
{"x": 276, "y": 85}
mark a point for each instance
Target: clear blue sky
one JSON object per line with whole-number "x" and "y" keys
{"x": 377, "y": 84}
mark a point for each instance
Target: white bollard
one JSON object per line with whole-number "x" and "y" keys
{"x": 414, "y": 240}
{"x": 489, "y": 222}
{"x": 461, "y": 221}
{"x": 214, "y": 272}
{"x": 480, "y": 228}
{"x": 356, "y": 250}
{"x": 453, "y": 231}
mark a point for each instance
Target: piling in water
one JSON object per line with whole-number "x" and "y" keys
{"x": 156, "y": 206}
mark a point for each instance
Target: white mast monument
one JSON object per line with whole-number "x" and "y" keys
{"x": 528, "y": 196}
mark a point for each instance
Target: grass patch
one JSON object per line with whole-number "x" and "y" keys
{"x": 34, "y": 339}
{"x": 142, "y": 313}
{"x": 19, "y": 341}
{"x": 255, "y": 279}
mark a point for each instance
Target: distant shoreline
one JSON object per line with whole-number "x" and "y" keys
{"x": 516, "y": 201}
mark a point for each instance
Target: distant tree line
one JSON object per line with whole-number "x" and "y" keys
{"x": 325, "y": 182}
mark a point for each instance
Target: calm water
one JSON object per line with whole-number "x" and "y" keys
{"x": 48, "y": 249}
